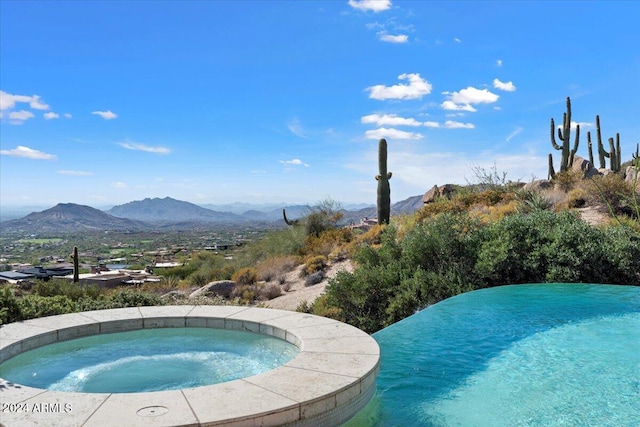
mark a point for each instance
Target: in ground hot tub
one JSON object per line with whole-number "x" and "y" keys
{"x": 330, "y": 379}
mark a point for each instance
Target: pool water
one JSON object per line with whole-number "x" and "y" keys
{"x": 521, "y": 355}
{"x": 148, "y": 360}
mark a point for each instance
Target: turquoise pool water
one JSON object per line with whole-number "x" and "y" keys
{"x": 522, "y": 355}
{"x": 148, "y": 360}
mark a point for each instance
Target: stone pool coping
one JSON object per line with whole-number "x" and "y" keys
{"x": 330, "y": 380}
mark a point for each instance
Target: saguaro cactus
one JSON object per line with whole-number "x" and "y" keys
{"x": 384, "y": 191}
{"x": 601, "y": 152}
{"x": 76, "y": 263}
{"x": 287, "y": 221}
{"x": 564, "y": 134}
{"x": 613, "y": 154}
{"x": 590, "y": 147}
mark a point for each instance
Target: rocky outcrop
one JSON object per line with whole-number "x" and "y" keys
{"x": 584, "y": 166}
{"x": 222, "y": 288}
{"x": 436, "y": 192}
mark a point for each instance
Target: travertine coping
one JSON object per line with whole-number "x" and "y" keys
{"x": 330, "y": 380}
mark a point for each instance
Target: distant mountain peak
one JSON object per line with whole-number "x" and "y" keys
{"x": 69, "y": 217}
{"x": 168, "y": 209}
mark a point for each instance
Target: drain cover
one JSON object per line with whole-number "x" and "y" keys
{"x": 152, "y": 411}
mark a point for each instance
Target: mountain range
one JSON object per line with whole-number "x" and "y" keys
{"x": 171, "y": 214}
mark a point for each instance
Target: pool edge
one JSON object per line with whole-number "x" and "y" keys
{"x": 325, "y": 384}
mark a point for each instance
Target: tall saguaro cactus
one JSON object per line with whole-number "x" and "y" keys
{"x": 384, "y": 191}
{"x": 613, "y": 154}
{"x": 76, "y": 263}
{"x": 564, "y": 135}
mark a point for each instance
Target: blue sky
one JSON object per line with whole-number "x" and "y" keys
{"x": 284, "y": 101}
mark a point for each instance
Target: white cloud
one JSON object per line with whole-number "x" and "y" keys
{"x": 296, "y": 162}
{"x": 119, "y": 184}
{"x": 373, "y": 5}
{"x": 36, "y": 104}
{"x": 27, "y": 153}
{"x": 389, "y": 119}
{"x": 19, "y": 117}
{"x": 463, "y": 99}
{"x": 107, "y": 115}
{"x": 8, "y": 101}
{"x": 457, "y": 40}
{"x": 51, "y": 115}
{"x": 417, "y": 88}
{"x": 67, "y": 116}
{"x": 391, "y": 133}
{"x": 451, "y": 124}
{"x": 74, "y": 173}
{"x": 582, "y": 124}
{"x": 430, "y": 124}
{"x": 514, "y": 133}
{"x": 575, "y": 124}
{"x": 450, "y": 105}
{"x": 145, "y": 148}
{"x": 296, "y": 128}
{"x": 506, "y": 86}
{"x": 389, "y": 38}
{"x": 499, "y": 63}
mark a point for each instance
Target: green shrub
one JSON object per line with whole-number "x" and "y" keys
{"x": 450, "y": 254}
{"x": 321, "y": 307}
{"x": 245, "y": 294}
{"x": 199, "y": 279}
{"x": 314, "y": 264}
{"x": 181, "y": 272}
{"x": 63, "y": 287}
{"x": 616, "y": 193}
{"x": 285, "y": 242}
{"x": 327, "y": 242}
{"x": 362, "y": 296}
{"x": 245, "y": 276}
{"x": 9, "y": 306}
{"x": 567, "y": 180}
{"x": 133, "y": 298}
{"x": 549, "y": 247}
{"x": 33, "y": 306}
{"x": 275, "y": 268}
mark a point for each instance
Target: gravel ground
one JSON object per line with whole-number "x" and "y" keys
{"x": 298, "y": 292}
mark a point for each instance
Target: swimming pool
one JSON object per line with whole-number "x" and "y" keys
{"x": 520, "y": 355}
{"x": 148, "y": 360}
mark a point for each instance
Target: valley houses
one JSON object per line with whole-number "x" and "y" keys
{"x": 99, "y": 276}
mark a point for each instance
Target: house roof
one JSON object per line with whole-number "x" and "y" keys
{"x": 14, "y": 275}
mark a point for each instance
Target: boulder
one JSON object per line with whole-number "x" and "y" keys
{"x": 584, "y": 166}
{"x": 436, "y": 192}
{"x": 632, "y": 175}
{"x": 431, "y": 195}
{"x": 314, "y": 279}
{"x": 605, "y": 172}
{"x": 222, "y": 288}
